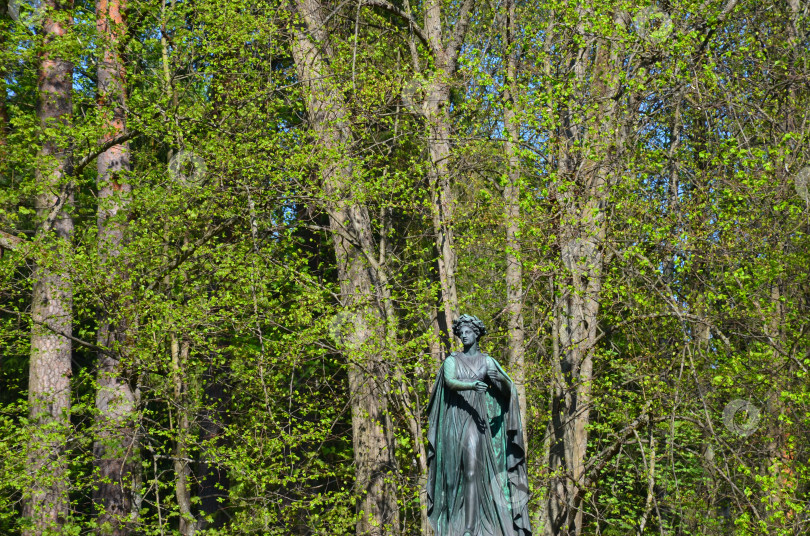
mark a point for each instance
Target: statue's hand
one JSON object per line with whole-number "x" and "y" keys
{"x": 494, "y": 374}
{"x": 479, "y": 387}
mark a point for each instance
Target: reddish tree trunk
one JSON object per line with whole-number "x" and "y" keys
{"x": 115, "y": 448}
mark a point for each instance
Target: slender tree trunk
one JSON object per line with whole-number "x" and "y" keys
{"x": 439, "y": 132}
{"x": 179, "y": 349}
{"x": 442, "y": 202}
{"x": 115, "y": 449}
{"x": 649, "y": 469}
{"x": 781, "y": 452}
{"x": 182, "y": 470}
{"x": 5, "y": 19}
{"x": 584, "y": 161}
{"x": 365, "y": 343}
{"x": 212, "y": 478}
{"x": 511, "y": 195}
{"x": 674, "y": 186}
{"x": 46, "y": 503}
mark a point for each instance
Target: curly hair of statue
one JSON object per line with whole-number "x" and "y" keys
{"x": 473, "y": 322}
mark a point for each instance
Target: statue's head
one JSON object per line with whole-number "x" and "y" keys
{"x": 473, "y": 322}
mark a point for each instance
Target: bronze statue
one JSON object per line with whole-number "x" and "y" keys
{"x": 477, "y": 483}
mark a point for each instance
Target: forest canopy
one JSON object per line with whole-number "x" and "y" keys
{"x": 235, "y": 236}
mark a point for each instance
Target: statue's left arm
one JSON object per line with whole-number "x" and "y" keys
{"x": 497, "y": 378}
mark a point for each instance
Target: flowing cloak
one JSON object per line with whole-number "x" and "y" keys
{"x": 502, "y": 484}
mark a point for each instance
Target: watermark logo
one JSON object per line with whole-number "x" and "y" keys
{"x": 413, "y": 93}
{"x": 187, "y": 168}
{"x": 801, "y": 183}
{"x": 342, "y": 326}
{"x": 653, "y": 25}
{"x": 741, "y": 417}
{"x": 27, "y": 14}
{"x": 576, "y": 251}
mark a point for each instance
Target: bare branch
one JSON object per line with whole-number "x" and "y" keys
{"x": 459, "y": 31}
{"x": 83, "y": 163}
{"x": 191, "y": 250}
{"x": 394, "y": 10}
{"x": 730, "y": 5}
{"x": 65, "y": 190}
{"x": 601, "y": 460}
{"x": 78, "y": 341}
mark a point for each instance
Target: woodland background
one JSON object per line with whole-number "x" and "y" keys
{"x": 234, "y": 235}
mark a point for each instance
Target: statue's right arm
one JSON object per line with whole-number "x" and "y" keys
{"x": 450, "y": 379}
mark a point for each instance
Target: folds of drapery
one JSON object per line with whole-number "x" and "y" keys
{"x": 503, "y": 484}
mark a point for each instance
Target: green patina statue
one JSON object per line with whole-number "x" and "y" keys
{"x": 477, "y": 483}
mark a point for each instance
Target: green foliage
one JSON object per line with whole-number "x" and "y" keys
{"x": 228, "y": 285}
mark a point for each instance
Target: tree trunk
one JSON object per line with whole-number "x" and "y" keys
{"x": 115, "y": 448}
{"x": 583, "y": 161}
{"x": 511, "y": 195}
{"x": 182, "y": 432}
{"x": 437, "y": 113}
{"x": 46, "y": 503}
{"x": 442, "y": 204}
{"x": 365, "y": 342}
{"x": 213, "y": 479}
{"x": 781, "y": 452}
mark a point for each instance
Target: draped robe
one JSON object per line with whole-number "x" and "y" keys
{"x": 502, "y": 484}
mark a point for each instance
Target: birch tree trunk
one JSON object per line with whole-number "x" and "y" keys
{"x": 115, "y": 448}
{"x": 350, "y": 223}
{"x": 46, "y": 504}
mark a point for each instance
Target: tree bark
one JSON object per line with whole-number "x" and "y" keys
{"x": 212, "y": 478}
{"x": 583, "y": 161}
{"x": 46, "y": 503}
{"x": 115, "y": 448}
{"x": 436, "y": 109}
{"x": 188, "y": 523}
{"x": 516, "y": 350}
{"x": 365, "y": 342}
{"x": 781, "y": 452}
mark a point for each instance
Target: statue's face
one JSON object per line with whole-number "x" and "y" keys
{"x": 468, "y": 335}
